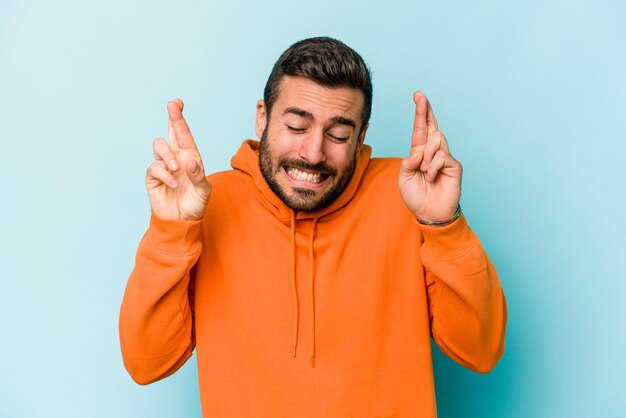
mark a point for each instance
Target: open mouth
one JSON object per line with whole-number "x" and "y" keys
{"x": 306, "y": 176}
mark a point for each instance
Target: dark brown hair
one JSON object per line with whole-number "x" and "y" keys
{"x": 328, "y": 62}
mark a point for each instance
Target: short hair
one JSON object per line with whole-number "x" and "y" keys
{"x": 328, "y": 62}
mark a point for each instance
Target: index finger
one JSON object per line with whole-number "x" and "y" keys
{"x": 182, "y": 135}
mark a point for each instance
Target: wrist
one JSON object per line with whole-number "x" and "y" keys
{"x": 174, "y": 236}
{"x": 454, "y": 217}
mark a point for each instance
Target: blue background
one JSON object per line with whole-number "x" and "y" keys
{"x": 531, "y": 96}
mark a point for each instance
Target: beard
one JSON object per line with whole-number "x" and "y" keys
{"x": 302, "y": 199}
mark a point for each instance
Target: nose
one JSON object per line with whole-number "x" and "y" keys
{"x": 312, "y": 148}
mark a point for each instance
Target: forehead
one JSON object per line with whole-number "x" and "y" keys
{"x": 321, "y": 101}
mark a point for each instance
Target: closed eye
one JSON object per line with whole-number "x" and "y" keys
{"x": 339, "y": 138}
{"x": 294, "y": 129}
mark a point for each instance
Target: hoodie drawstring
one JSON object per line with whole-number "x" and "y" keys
{"x": 294, "y": 285}
{"x": 312, "y": 280}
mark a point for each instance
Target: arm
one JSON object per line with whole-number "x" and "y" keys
{"x": 156, "y": 317}
{"x": 467, "y": 307}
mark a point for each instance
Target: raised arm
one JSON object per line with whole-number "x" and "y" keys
{"x": 467, "y": 306}
{"x": 156, "y": 317}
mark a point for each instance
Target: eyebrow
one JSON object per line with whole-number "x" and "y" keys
{"x": 309, "y": 116}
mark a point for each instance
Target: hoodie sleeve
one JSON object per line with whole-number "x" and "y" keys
{"x": 467, "y": 306}
{"x": 156, "y": 324}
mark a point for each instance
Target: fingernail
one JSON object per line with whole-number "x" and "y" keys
{"x": 173, "y": 164}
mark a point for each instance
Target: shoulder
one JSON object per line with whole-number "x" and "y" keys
{"x": 227, "y": 178}
{"x": 379, "y": 198}
{"x": 379, "y": 181}
{"x": 229, "y": 185}
{"x": 386, "y": 163}
{"x": 382, "y": 170}
{"x": 231, "y": 197}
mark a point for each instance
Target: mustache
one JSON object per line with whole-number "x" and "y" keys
{"x": 320, "y": 167}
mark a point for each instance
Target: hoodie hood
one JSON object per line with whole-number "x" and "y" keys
{"x": 247, "y": 160}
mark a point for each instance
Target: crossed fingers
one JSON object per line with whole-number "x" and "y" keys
{"x": 166, "y": 164}
{"x": 429, "y": 141}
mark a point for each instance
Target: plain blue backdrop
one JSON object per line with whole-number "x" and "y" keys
{"x": 531, "y": 96}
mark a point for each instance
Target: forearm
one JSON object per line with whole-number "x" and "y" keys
{"x": 468, "y": 308}
{"x": 156, "y": 332}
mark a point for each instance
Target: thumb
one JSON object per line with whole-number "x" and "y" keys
{"x": 195, "y": 172}
{"x": 411, "y": 163}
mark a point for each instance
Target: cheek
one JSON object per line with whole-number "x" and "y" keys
{"x": 281, "y": 141}
{"x": 342, "y": 158}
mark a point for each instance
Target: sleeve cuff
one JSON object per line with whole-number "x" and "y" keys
{"x": 179, "y": 237}
{"x": 449, "y": 241}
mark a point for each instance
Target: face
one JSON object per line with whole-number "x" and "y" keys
{"x": 310, "y": 143}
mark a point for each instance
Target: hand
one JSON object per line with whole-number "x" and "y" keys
{"x": 430, "y": 178}
{"x": 177, "y": 186}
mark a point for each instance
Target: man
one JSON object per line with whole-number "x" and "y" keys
{"x": 309, "y": 283}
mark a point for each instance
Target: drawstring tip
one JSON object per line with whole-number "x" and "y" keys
{"x": 312, "y": 361}
{"x": 293, "y": 353}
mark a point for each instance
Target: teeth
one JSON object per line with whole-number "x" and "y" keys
{"x": 302, "y": 176}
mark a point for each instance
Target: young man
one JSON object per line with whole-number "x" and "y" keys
{"x": 311, "y": 277}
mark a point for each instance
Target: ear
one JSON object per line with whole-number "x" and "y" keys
{"x": 261, "y": 118}
{"x": 359, "y": 142}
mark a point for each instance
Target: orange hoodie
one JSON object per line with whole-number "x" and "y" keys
{"x": 324, "y": 314}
